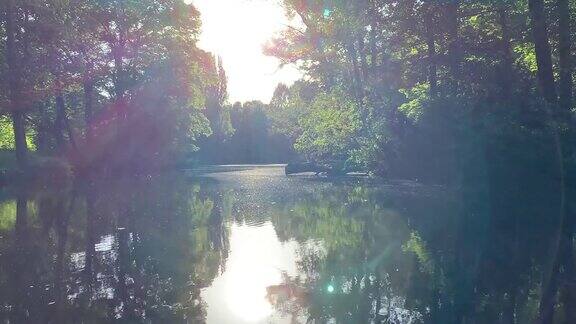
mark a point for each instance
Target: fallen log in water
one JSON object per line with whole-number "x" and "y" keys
{"x": 293, "y": 168}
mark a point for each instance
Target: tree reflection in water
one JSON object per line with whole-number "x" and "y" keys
{"x": 143, "y": 250}
{"x": 420, "y": 257}
{"x": 136, "y": 250}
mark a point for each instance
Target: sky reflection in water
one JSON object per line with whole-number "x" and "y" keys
{"x": 257, "y": 261}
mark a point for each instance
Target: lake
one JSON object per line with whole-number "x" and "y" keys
{"x": 247, "y": 244}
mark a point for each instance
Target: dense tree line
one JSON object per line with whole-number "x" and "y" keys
{"x": 419, "y": 89}
{"x": 245, "y": 134}
{"x": 405, "y": 86}
{"x": 104, "y": 84}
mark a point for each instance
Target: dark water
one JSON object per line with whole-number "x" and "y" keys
{"x": 249, "y": 245}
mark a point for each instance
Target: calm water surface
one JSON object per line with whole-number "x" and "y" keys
{"x": 246, "y": 244}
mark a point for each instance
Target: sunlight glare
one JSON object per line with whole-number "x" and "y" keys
{"x": 256, "y": 262}
{"x": 236, "y": 30}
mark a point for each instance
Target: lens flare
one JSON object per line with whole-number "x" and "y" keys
{"x": 330, "y": 289}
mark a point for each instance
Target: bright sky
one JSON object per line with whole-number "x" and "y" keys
{"x": 236, "y": 30}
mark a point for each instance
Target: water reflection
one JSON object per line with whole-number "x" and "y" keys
{"x": 257, "y": 260}
{"x": 249, "y": 245}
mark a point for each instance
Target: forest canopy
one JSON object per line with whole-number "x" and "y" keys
{"x": 437, "y": 86}
{"x": 439, "y": 91}
{"x": 103, "y": 84}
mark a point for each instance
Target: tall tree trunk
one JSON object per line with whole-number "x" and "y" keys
{"x": 119, "y": 84}
{"x": 431, "y": 47}
{"x": 545, "y": 75}
{"x": 62, "y": 124}
{"x": 362, "y": 53}
{"x": 357, "y": 78}
{"x": 373, "y": 25}
{"x": 565, "y": 89}
{"x": 59, "y": 122}
{"x": 505, "y": 76}
{"x": 454, "y": 48}
{"x": 119, "y": 52}
{"x": 117, "y": 159}
{"x": 19, "y": 126}
{"x": 18, "y": 117}
{"x": 543, "y": 51}
{"x": 564, "y": 50}
{"x": 88, "y": 109}
{"x": 70, "y": 133}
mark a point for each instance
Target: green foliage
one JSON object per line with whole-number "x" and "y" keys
{"x": 416, "y": 99}
{"x": 288, "y": 106}
{"x": 7, "y": 135}
{"x": 526, "y": 56}
{"x": 330, "y": 127}
{"x": 435, "y": 84}
{"x": 253, "y": 139}
{"x": 140, "y": 100}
